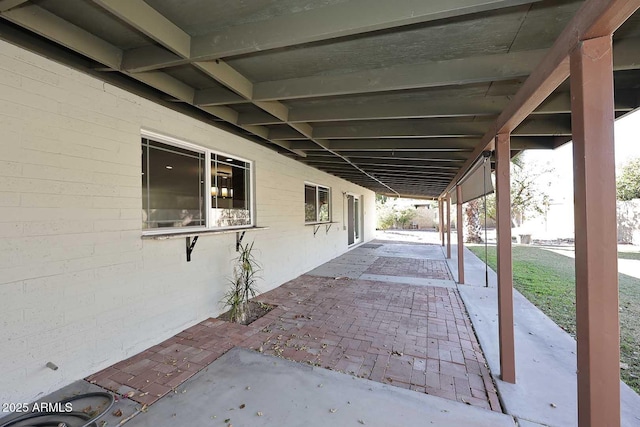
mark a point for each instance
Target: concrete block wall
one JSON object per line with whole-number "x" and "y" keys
{"x": 78, "y": 285}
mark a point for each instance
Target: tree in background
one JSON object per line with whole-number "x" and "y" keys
{"x": 474, "y": 229}
{"x": 530, "y": 183}
{"x": 391, "y": 216}
{"x": 628, "y": 183}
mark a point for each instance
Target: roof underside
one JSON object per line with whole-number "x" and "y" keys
{"x": 393, "y": 96}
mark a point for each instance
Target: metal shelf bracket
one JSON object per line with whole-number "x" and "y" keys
{"x": 190, "y": 245}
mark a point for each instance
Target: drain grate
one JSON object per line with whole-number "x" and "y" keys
{"x": 370, "y": 246}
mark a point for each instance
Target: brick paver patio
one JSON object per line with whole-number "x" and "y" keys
{"x": 410, "y": 267}
{"x": 414, "y": 337}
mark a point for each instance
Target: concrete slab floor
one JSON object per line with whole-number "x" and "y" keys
{"x": 545, "y": 391}
{"x": 247, "y": 388}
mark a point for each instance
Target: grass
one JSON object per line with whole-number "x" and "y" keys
{"x": 547, "y": 280}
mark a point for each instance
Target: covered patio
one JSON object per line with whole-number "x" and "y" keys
{"x": 404, "y": 99}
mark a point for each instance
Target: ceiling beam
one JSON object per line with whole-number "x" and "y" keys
{"x": 440, "y": 107}
{"x": 392, "y": 154}
{"x": 319, "y": 24}
{"x": 595, "y": 18}
{"x": 427, "y": 128}
{"x": 10, "y": 4}
{"x": 391, "y": 163}
{"x": 479, "y": 69}
{"x": 48, "y": 25}
{"x": 426, "y": 144}
{"x": 153, "y": 24}
{"x": 219, "y": 96}
{"x": 62, "y": 32}
{"x": 150, "y": 22}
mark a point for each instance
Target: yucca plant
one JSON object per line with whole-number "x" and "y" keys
{"x": 242, "y": 286}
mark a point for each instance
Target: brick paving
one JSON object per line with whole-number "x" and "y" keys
{"x": 414, "y": 337}
{"x": 410, "y": 267}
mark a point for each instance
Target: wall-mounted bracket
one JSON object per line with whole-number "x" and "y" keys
{"x": 239, "y": 237}
{"x": 327, "y": 227}
{"x": 191, "y": 243}
{"x": 315, "y": 229}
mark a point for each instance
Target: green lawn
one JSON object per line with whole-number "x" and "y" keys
{"x": 547, "y": 280}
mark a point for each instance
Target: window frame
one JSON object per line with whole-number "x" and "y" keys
{"x": 317, "y": 194}
{"x": 208, "y": 227}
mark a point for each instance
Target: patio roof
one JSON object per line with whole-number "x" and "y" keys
{"x": 400, "y": 97}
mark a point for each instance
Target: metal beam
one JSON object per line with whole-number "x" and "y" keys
{"x": 486, "y": 68}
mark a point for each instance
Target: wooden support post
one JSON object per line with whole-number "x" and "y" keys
{"x": 505, "y": 272}
{"x": 441, "y": 217}
{"x": 460, "y": 235}
{"x": 597, "y": 318}
{"x": 448, "y": 226}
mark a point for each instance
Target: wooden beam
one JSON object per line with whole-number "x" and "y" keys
{"x": 460, "y": 235}
{"x": 219, "y": 96}
{"x": 425, "y": 144}
{"x": 478, "y": 69}
{"x": 597, "y": 307}
{"x": 594, "y": 18}
{"x": 503, "y": 251}
{"x": 48, "y": 25}
{"x": 150, "y": 22}
{"x": 10, "y": 4}
{"x": 324, "y": 23}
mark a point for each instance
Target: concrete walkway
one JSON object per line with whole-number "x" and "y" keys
{"x": 245, "y": 388}
{"x": 545, "y": 392}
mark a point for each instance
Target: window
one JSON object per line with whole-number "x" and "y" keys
{"x": 317, "y": 203}
{"x": 185, "y": 186}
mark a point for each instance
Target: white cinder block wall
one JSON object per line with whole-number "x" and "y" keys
{"x": 78, "y": 285}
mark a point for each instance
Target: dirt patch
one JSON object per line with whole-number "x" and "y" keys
{"x": 257, "y": 309}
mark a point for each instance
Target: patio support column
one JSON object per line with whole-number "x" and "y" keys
{"x": 503, "y": 249}
{"x": 597, "y": 318}
{"x": 460, "y": 235}
{"x": 448, "y": 226}
{"x": 441, "y": 217}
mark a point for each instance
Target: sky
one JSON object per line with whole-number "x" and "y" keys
{"x": 627, "y": 147}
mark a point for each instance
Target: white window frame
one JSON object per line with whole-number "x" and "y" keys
{"x": 318, "y": 186}
{"x": 179, "y": 143}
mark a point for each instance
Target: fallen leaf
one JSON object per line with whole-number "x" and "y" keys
{"x": 144, "y": 408}
{"x": 117, "y": 413}
{"x": 361, "y": 421}
{"x": 130, "y": 394}
{"x": 553, "y": 405}
{"x": 248, "y": 388}
{"x": 243, "y": 406}
{"x": 259, "y": 414}
{"x": 333, "y": 411}
{"x": 227, "y": 420}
